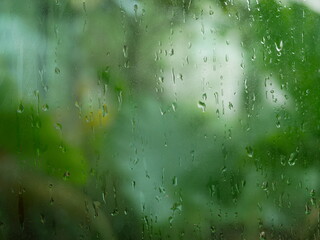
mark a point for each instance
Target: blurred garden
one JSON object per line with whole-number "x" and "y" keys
{"x": 168, "y": 119}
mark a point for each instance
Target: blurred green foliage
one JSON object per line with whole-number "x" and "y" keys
{"x": 97, "y": 140}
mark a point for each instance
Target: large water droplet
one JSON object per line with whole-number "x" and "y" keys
{"x": 280, "y": 46}
{"x": 292, "y": 159}
{"x": 104, "y": 110}
{"x": 174, "y": 181}
{"x": 57, "y": 70}
{"x": 249, "y": 151}
{"x": 45, "y": 107}
{"x": 202, "y": 106}
{"x": 125, "y": 51}
{"x": 20, "y": 108}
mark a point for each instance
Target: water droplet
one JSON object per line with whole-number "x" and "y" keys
{"x": 171, "y": 52}
{"x": 249, "y": 151}
{"x": 42, "y": 218}
{"x": 223, "y": 170}
{"x": 265, "y": 185}
{"x": 162, "y": 112}
{"x": 84, "y": 6}
{"x": 174, "y": 106}
{"x": 126, "y": 64}
{"x": 36, "y": 93}
{"x": 173, "y": 76}
{"x": 96, "y": 205}
{"x": 115, "y": 212}
{"x": 202, "y": 106}
{"x": 135, "y": 7}
{"x": 45, "y": 107}
{"x": 230, "y": 105}
{"x": 262, "y": 235}
{"x": 104, "y": 196}
{"x": 58, "y": 126}
{"x": 161, "y": 79}
{"x": 20, "y": 108}
{"x": 57, "y": 70}
{"x": 177, "y": 206}
{"x": 292, "y": 159}
{"x": 248, "y": 5}
{"x": 66, "y": 175}
{"x": 174, "y": 181}
{"x": 307, "y": 209}
{"x": 204, "y": 97}
{"x": 104, "y": 110}
{"x": 62, "y": 148}
{"x": 162, "y": 189}
{"x": 280, "y": 46}
{"x": 125, "y": 51}
{"x": 312, "y": 193}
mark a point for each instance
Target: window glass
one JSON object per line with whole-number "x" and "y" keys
{"x": 170, "y": 119}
